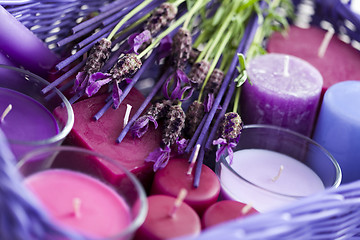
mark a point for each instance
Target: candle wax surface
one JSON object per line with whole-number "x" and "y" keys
{"x": 340, "y": 62}
{"x": 171, "y": 179}
{"x": 288, "y": 101}
{"x": 159, "y": 225}
{"x": 28, "y": 120}
{"x": 259, "y": 167}
{"x": 102, "y": 212}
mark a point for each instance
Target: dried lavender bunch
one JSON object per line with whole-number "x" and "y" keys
{"x": 194, "y": 115}
{"x": 230, "y": 130}
{"x": 181, "y": 48}
{"x": 161, "y": 17}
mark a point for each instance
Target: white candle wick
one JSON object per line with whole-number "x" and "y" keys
{"x": 246, "y": 209}
{"x": 286, "y": 66}
{"x": 179, "y": 200}
{"x": 127, "y": 114}
{"x": 5, "y": 113}
{"x": 325, "y": 42}
{"x": 76, "y": 206}
{"x": 193, "y": 160}
{"x": 274, "y": 179}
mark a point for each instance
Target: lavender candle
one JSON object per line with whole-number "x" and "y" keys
{"x": 285, "y": 91}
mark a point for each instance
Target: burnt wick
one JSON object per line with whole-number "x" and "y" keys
{"x": 5, "y": 113}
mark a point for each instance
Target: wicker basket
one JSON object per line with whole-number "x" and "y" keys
{"x": 332, "y": 214}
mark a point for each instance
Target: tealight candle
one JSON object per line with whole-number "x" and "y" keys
{"x": 285, "y": 91}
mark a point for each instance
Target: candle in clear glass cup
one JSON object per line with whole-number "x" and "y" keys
{"x": 284, "y": 91}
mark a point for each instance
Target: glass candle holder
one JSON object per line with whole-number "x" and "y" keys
{"x": 78, "y": 196}
{"x": 273, "y": 166}
{"x": 26, "y": 114}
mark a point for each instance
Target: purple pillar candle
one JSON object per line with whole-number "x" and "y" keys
{"x": 23, "y": 47}
{"x": 285, "y": 91}
{"x": 338, "y": 127}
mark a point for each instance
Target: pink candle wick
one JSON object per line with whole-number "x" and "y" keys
{"x": 5, "y": 113}
{"x": 179, "y": 200}
{"x": 77, "y": 206}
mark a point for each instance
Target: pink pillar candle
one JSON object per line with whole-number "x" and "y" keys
{"x": 225, "y": 210}
{"x": 23, "y": 47}
{"x": 171, "y": 179}
{"x": 160, "y": 225}
{"x": 285, "y": 92}
{"x": 80, "y": 202}
{"x": 339, "y": 63}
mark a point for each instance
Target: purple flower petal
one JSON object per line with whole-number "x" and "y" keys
{"x": 128, "y": 80}
{"x": 164, "y": 48}
{"x": 182, "y": 76}
{"x": 166, "y": 85}
{"x": 141, "y": 125}
{"x": 181, "y": 145}
{"x": 223, "y": 147}
{"x": 176, "y": 93}
{"x": 160, "y": 157}
{"x": 209, "y": 101}
{"x": 94, "y": 84}
{"x": 80, "y": 77}
{"x": 137, "y": 39}
{"x": 116, "y": 93}
{"x": 183, "y": 90}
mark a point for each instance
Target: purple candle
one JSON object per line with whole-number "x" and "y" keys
{"x": 23, "y": 47}
{"x": 285, "y": 91}
{"x": 27, "y": 120}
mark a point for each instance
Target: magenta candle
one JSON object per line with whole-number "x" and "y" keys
{"x": 285, "y": 92}
{"x": 171, "y": 179}
{"x": 339, "y": 63}
{"x": 80, "y": 202}
{"x": 160, "y": 225}
{"x": 23, "y": 47}
{"x": 224, "y": 211}
{"x": 100, "y": 136}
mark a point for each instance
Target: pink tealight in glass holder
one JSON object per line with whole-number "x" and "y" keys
{"x": 274, "y": 166}
{"x": 26, "y": 114}
{"x": 77, "y": 196}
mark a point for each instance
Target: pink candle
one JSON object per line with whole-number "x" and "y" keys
{"x": 160, "y": 225}
{"x": 225, "y": 210}
{"x": 339, "y": 63}
{"x": 100, "y": 136}
{"x": 173, "y": 177}
{"x": 80, "y": 202}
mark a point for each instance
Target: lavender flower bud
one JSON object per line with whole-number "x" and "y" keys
{"x": 161, "y": 17}
{"x": 194, "y": 115}
{"x": 99, "y": 54}
{"x": 194, "y": 54}
{"x": 181, "y": 48}
{"x": 214, "y": 82}
{"x": 198, "y": 73}
{"x": 126, "y": 66}
{"x": 159, "y": 109}
{"x": 174, "y": 124}
{"x": 231, "y": 127}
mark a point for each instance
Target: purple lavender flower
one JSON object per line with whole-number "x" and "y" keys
{"x": 177, "y": 89}
{"x": 141, "y": 125}
{"x": 137, "y": 39}
{"x": 181, "y": 145}
{"x": 160, "y": 157}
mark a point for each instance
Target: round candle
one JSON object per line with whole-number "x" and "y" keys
{"x": 263, "y": 184}
{"x": 338, "y": 127}
{"x": 340, "y": 61}
{"x": 224, "y": 211}
{"x": 28, "y": 120}
{"x": 160, "y": 225}
{"x": 172, "y": 178}
{"x": 285, "y": 91}
{"x": 80, "y": 202}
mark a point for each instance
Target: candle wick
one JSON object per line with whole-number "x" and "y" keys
{"x": 5, "y": 113}
{"x": 179, "y": 200}
{"x": 274, "y": 179}
{"x": 325, "y": 42}
{"x": 246, "y": 209}
{"x": 127, "y": 114}
{"x": 193, "y": 160}
{"x": 77, "y": 205}
{"x": 286, "y": 66}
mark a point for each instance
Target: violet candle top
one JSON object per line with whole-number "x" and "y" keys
{"x": 80, "y": 202}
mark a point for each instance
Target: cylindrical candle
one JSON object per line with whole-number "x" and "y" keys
{"x": 171, "y": 179}
{"x": 225, "y": 210}
{"x": 23, "y": 47}
{"x": 160, "y": 225}
{"x": 338, "y": 127}
{"x": 80, "y": 202}
{"x": 285, "y": 91}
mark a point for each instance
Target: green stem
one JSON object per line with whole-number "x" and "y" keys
{"x": 177, "y": 3}
{"x": 191, "y": 12}
{"x": 203, "y": 52}
{"x": 236, "y": 100}
{"x": 214, "y": 62}
{"x": 127, "y": 17}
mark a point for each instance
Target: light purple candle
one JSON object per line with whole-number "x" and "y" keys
{"x": 23, "y": 47}
{"x": 27, "y": 121}
{"x": 285, "y": 91}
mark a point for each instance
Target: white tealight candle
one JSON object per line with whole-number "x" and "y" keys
{"x": 258, "y": 167}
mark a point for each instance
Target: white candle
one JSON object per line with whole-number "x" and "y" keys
{"x": 259, "y": 167}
